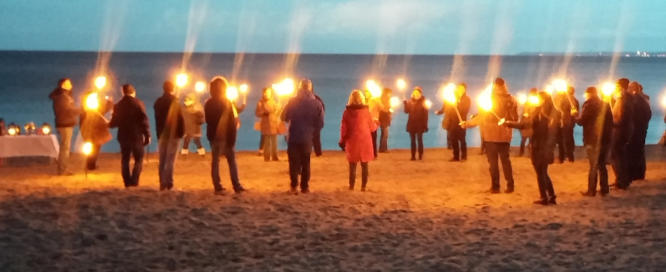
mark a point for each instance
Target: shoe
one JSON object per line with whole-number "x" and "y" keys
{"x": 275, "y": 159}
{"x": 240, "y": 190}
{"x": 494, "y": 191}
{"x": 454, "y": 160}
{"x": 588, "y": 193}
{"x": 260, "y": 152}
{"x": 508, "y": 190}
{"x": 220, "y": 192}
{"x": 552, "y": 201}
{"x": 412, "y": 159}
{"x": 541, "y": 202}
{"x": 602, "y": 193}
{"x": 351, "y": 188}
{"x": 201, "y": 151}
{"x": 293, "y": 191}
{"x": 305, "y": 191}
{"x": 184, "y": 151}
{"x": 362, "y": 189}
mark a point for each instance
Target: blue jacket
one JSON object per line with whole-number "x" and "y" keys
{"x": 305, "y": 115}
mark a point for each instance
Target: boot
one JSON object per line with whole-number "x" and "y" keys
{"x": 201, "y": 151}
{"x": 184, "y": 151}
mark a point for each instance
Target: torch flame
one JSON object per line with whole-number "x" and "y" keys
{"x": 200, "y": 86}
{"x": 560, "y": 85}
{"x": 12, "y": 131}
{"x": 244, "y": 88}
{"x": 100, "y": 82}
{"x": 182, "y": 79}
{"x": 285, "y": 87}
{"x": 428, "y": 103}
{"x": 401, "y": 84}
{"x": 395, "y": 102}
{"x": 87, "y": 148}
{"x": 92, "y": 101}
{"x": 374, "y": 88}
{"x": 522, "y": 98}
{"x": 663, "y": 101}
{"x": 449, "y": 94}
{"x": 46, "y": 130}
{"x": 608, "y": 89}
{"x": 232, "y": 93}
{"x": 484, "y": 100}
{"x": 534, "y": 100}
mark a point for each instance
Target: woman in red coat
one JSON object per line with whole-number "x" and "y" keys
{"x": 355, "y": 137}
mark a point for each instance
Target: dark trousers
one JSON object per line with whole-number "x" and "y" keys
{"x": 637, "y": 157}
{"x": 197, "y": 142}
{"x": 91, "y": 160}
{"x": 620, "y": 160}
{"x": 596, "y": 155}
{"x": 568, "y": 142}
{"x": 383, "y": 142}
{"x": 559, "y": 141}
{"x": 221, "y": 149}
{"x": 299, "y": 164}
{"x": 316, "y": 142}
{"x": 496, "y": 152}
{"x": 416, "y": 141}
{"x": 546, "y": 190}
{"x": 524, "y": 141}
{"x": 128, "y": 150}
{"x": 458, "y": 143}
{"x": 352, "y": 174}
{"x": 373, "y": 135}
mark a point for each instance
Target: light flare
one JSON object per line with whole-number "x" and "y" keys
{"x": 244, "y": 88}
{"x": 285, "y": 87}
{"x": 200, "y": 87}
{"x": 428, "y": 104}
{"x": 92, "y": 101}
{"x": 395, "y": 102}
{"x": 560, "y": 85}
{"x": 182, "y": 79}
{"x": 374, "y": 88}
{"x": 401, "y": 84}
{"x": 232, "y": 93}
{"x": 87, "y": 148}
{"x": 485, "y": 100}
{"x": 449, "y": 93}
{"x": 522, "y": 98}
{"x": 100, "y": 82}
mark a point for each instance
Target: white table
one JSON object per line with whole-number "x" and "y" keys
{"x": 29, "y": 146}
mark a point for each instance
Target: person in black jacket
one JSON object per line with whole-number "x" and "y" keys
{"x": 623, "y": 130}
{"x": 544, "y": 123}
{"x": 169, "y": 123}
{"x": 129, "y": 116}
{"x": 66, "y": 117}
{"x": 455, "y": 133}
{"x": 417, "y": 122}
{"x": 642, "y": 115}
{"x": 597, "y": 122}
{"x": 316, "y": 140}
{"x": 221, "y": 133}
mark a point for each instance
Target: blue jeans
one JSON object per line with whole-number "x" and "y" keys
{"x": 221, "y": 149}
{"x": 168, "y": 148}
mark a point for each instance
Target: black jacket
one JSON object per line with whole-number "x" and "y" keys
{"x": 66, "y": 113}
{"x": 129, "y": 116}
{"x": 597, "y": 122}
{"x": 220, "y": 120}
{"x": 642, "y": 115}
{"x": 168, "y": 117}
{"x": 545, "y": 126}
{"x": 417, "y": 122}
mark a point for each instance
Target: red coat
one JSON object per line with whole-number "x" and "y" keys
{"x": 355, "y": 133}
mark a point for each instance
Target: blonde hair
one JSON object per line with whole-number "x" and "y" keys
{"x": 356, "y": 98}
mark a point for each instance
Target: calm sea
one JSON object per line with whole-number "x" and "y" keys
{"x": 26, "y": 78}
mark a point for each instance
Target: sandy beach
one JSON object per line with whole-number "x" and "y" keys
{"x": 430, "y": 215}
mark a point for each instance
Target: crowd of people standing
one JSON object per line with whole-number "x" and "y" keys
{"x": 613, "y": 128}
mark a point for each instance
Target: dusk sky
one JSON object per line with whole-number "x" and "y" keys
{"x": 371, "y": 26}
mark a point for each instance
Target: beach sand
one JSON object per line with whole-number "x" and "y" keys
{"x": 429, "y": 215}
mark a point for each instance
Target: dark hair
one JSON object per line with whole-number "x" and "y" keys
{"x": 168, "y": 86}
{"x": 534, "y": 90}
{"x": 217, "y": 87}
{"x": 591, "y": 90}
{"x": 547, "y": 105}
{"x": 624, "y": 83}
{"x": 499, "y": 81}
{"x": 128, "y": 89}
{"x": 62, "y": 81}
{"x": 571, "y": 90}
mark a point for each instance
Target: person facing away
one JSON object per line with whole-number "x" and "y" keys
{"x": 526, "y": 133}
{"x": 623, "y": 130}
{"x": 597, "y": 122}
{"x": 193, "y": 117}
{"x": 221, "y": 133}
{"x": 316, "y": 140}
{"x": 268, "y": 111}
{"x": 451, "y": 123}
{"x": 94, "y": 127}
{"x": 641, "y": 119}
{"x": 374, "y": 105}
{"x": 569, "y": 108}
{"x": 129, "y": 116}
{"x": 66, "y": 117}
{"x": 417, "y": 121}
{"x": 544, "y": 123}
{"x": 305, "y": 115}
{"x": 169, "y": 124}
{"x": 497, "y": 138}
{"x": 385, "y": 116}
{"x": 355, "y": 137}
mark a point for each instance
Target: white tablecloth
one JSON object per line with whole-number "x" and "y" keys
{"x": 29, "y": 146}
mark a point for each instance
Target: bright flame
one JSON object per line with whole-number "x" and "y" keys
{"x": 100, "y": 82}
{"x": 182, "y": 79}
{"x": 522, "y": 98}
{"x": 87, "y": 148}
{"x": 485, "y": 100}
{"x": 428, "y": 103}
{"x": 12, "y": 131}
{"x": 663, "y": 101}
{"x": 449, "y": 93}
{"x": 401, "y": 84}
{"x": 200, "y": 86}
{"x": 534, "y": 100}
{"x": 395, "y": 102}
{"x": 92, "y": 101}
{"x": 608, "y": 89}
{"x": 232, "y": 93}
{"x": 374, "y": 88}
{"x": 560, "y": 85}
{"x": 549, "y": 89}
{"x": 285, "y": 87}
{"x": 244, "y": 88}
{"x": 46, "y": 130}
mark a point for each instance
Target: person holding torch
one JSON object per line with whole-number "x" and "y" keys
{"x": 417, "y": 121}
{"x": 385, "y": 116}
{"x": 169, "y": 126}
{"x": 455, "y": 109}
{"x": 94, "y": 127}
{"x": 497, "y": 138}
{"x": 623, "y": 129}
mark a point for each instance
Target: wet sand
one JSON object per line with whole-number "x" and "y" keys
{"x": 430, "y": 215}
